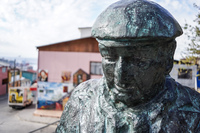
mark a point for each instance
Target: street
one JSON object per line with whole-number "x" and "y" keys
{"x": 11, "y": 122}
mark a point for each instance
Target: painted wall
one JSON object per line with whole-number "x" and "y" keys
{"x": 190, "y": 81}
{"x": 57, "y": 62}
{"x": 29, "y": 75}
{"x": 52, "y": 96}
{"x": 3, "y": 75}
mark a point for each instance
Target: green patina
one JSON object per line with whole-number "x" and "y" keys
{"x": 136, "y": 94}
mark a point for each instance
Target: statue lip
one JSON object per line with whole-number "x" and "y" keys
{"x": 122, "y": 89}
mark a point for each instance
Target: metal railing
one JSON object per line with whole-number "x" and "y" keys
{"x": 44, "y": 126}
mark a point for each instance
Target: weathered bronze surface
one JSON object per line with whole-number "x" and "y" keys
{"x": 136, "y": 94}
{"x": 133, "y": 19}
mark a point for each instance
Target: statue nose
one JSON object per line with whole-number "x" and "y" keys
{"x": 123, "y": 70}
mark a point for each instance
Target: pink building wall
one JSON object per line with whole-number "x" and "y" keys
{"x": 3, "y": 75}
{"x": 57, "y": 62}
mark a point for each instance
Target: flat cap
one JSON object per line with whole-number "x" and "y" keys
{"x": 136, "y": 19}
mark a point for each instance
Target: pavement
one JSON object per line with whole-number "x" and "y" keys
{"x": 2, "y": 97}
{"x": 31, "y": 114}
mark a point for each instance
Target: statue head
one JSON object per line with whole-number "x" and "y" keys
{"x": 137, "y": 43}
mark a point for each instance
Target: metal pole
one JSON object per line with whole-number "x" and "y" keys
{"x": 14, "y": 74}
{"x": 44, "y": 126}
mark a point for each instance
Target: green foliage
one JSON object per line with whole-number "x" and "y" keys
{"x": 192, "y": 53}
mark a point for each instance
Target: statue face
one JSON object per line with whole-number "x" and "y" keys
{"x": 134, "y": 69}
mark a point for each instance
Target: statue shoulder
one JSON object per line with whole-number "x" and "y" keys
{"x": 184, "y": 94}
{"x": 192, "y": 95}
{"x": 84, "y": 92}
{"x": 185, "y": 107}
{"x": 189, "y": 107}
{"x": 181, "y": 89}
{"x": 86, "y": 88}
{"x": 79, "y": 101}
{"x": 188, "y": 92}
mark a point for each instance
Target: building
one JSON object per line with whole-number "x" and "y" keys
{"x": 3, "y": 77}
{"x": 14, "y": 77}
{"x": 63, "y": 66}
{"x": 30, "y": 74}
{"x": 71, "y": 61}
{"x": 185, "y": 74}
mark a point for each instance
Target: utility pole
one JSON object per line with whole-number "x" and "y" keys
{"x": 14, "y": 74}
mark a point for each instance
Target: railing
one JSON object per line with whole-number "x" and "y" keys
{"x": 42, "y": 128}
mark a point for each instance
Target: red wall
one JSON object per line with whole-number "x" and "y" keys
{"x": 2, "y": 76}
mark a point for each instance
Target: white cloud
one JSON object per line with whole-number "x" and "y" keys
{"x": 33, "y": 23}
{"x": 25, "y": 24}
{"x": 184, "y": 12}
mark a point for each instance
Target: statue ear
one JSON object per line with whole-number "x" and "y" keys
{"x": 169, "y": 65}
{"x": 170, "y": 56}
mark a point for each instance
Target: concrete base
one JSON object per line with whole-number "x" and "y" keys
{"x": 48, "y": 113}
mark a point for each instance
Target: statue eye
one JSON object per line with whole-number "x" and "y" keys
{"x": 143, "y": 63}
{"x": 110, "y": 58}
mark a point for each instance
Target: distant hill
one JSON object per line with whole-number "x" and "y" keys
{"x": 20, "y": 61}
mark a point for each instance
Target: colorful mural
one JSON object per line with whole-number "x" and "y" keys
{"x": 52, "y": 96}
{"x": 43, "y": 75}
{"x": 79, "y": 77}
{"x": 19, "y": 96}
{"x": 14, "y": 76}
{"x": 66, "y": 76}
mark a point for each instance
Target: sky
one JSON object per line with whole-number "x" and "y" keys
{"x": 26, "y": 24}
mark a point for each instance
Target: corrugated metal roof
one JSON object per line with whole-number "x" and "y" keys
{"x": 62, "y": 42}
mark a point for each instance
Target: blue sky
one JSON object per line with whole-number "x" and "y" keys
{"x": 25, "y": 24}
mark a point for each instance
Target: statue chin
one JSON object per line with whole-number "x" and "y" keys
{"x": 129, "y": 97}
{"x": 133, "y": 95}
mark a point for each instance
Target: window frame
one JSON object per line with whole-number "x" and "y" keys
{"x": 3, "y": 69}
{"x": 187, "y": 73}
{"x": 91, "y": 68}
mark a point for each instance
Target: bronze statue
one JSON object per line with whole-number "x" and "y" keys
{"x": 136, "y": 94}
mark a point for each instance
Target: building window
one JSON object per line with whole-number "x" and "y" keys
{"x": 4, "y": 81}
{"x": 184, "y": 73}
{"x": 3, "y": 69}
{"x": 96, "y": 68}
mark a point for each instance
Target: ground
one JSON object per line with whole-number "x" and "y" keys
{"x": 22, "y": 121}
